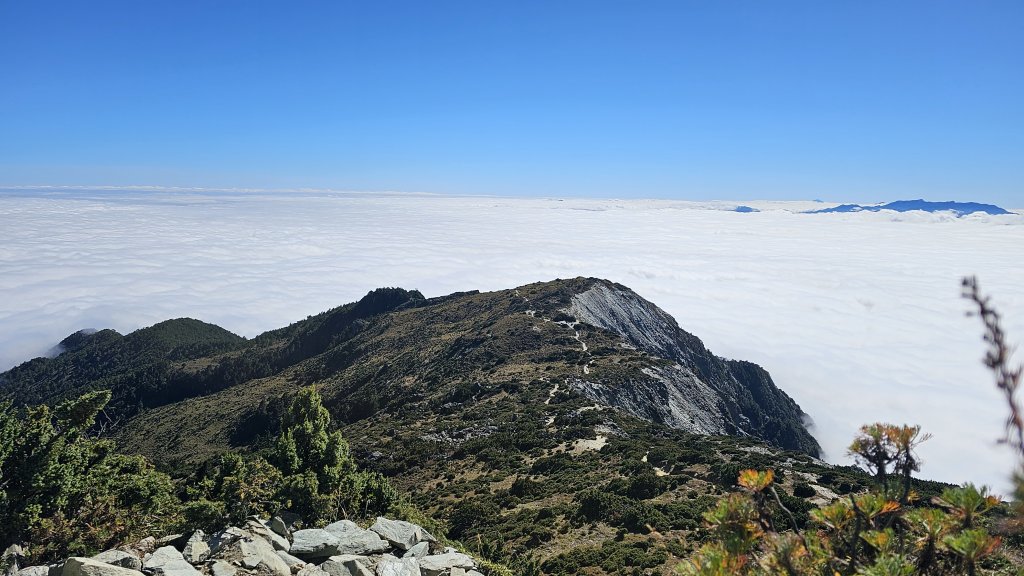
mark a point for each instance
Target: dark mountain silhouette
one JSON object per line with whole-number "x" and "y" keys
{"x": 959, "y": 208}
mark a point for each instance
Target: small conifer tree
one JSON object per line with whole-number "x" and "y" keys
{"x": 320, "y": 478}
{"x": 307, "y": 443}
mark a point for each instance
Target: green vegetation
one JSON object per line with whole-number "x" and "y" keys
{"x": 886, "y": 531}
{"x": 66, "y": 493}
{"x": 70, "y": 494}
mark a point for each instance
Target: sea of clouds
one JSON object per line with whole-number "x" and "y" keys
{"x": 857, "y": 316}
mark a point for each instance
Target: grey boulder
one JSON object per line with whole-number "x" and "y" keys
{"x": 77, "y": 566}
{"x": 314, "y": 543}
{"x": 222, "y": 568}
{"x": 167, "y": 561}
{"x": 243, "y": 548}
{"x": 391, "y": 566}
{"x": 34, "y": 571}
{"x": 290, "y": 560}
{"x": 401, "y": 534}
{"x": 437, "y": 564}
{"x": 258, "y": 554}
{"x": 225, "y": 538}
{"x": 347, "y": 565}
{"x": 120, "y": 558}
{"x": 418, "y": 551}
{"x": 262, "y": 530}
{"x": 146, "y": 545}
{"x": 284, "y": 523}
{"x": 196, "y": 548}
{"x": 354, "y": 540}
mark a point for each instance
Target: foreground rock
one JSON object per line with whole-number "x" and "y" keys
{"x": 168, "y": 561}
{"x": 354, "y": 540}
{"x": 120, "y": 558}
{"x": 403, "y": 535}
{"x": 273, "y": 548}
{"x": 89, "y": 567}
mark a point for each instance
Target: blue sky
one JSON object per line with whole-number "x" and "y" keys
{"x": 844, "y": 101}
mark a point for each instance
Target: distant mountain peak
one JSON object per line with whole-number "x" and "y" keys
{"x": 958, "y": 208}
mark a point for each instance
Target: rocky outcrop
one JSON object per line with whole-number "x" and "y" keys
{"x": 697, "y": 391}
{"x": 272, "y": 548}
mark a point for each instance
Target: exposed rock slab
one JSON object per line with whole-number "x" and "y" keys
{"x": 437, "y": 564}
{"x": 401, "y": 534}
{"x": 314, "y": 543}
{"x": 168, "y": 561}
{"x": 355, "y": 540}
{"x": 391, "y": 566}
{"x": 77, "y": 566}
{"x": 120, "y": 558}
{"x": 347, "y": 565}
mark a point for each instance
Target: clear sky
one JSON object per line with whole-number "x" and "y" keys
{"x": 844, "y": 100}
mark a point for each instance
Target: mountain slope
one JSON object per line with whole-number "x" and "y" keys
{"x": 136, "y": 367}
{"x": 396, "y": 350}
{"x": 545, "y": 419}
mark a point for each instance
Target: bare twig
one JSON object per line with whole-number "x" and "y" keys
{"x": 997, "y": 358}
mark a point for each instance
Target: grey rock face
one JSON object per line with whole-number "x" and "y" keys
{"x": 437, "y": 564}
{"x": 288, "y": 520}
{"x": 279, "y": 527}
{"x": 314, "y": 543}
{"x": 354, "y": 540}
{"x": 342, "y": 526}
{"x": 146, "y": 545}
{"x": 196, "y": 548}
{"x": 258, "y": 554}
{"x": 347, "y": 565}
{"x": 262, "y": 530}
{"x": 418, "y": 551}
{"x": 290, "y": 560}
{"x": 624, "y": 312}
{"x": 401, "y": 534}
{"x": 176, "y": 540}
{"x": 76, "y": 566}
{"x": 222, "y": 568}
{"x": 167, "y": 561}
{"x": 225, "y": 538}
{"x": 671, "y": 394}
{"x": 120, "y": 558}
{"x": 391, "y": 566}
{"x": 700, "y": 392}
{"x": 243, "y": 548}
{"x": 311, "y": 570}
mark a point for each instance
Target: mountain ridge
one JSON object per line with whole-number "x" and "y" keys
{"x": 534, "y": 419}
{"x": 180, "y": 359}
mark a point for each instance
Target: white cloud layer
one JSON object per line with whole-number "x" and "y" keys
{"x": 856, "y": 316}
